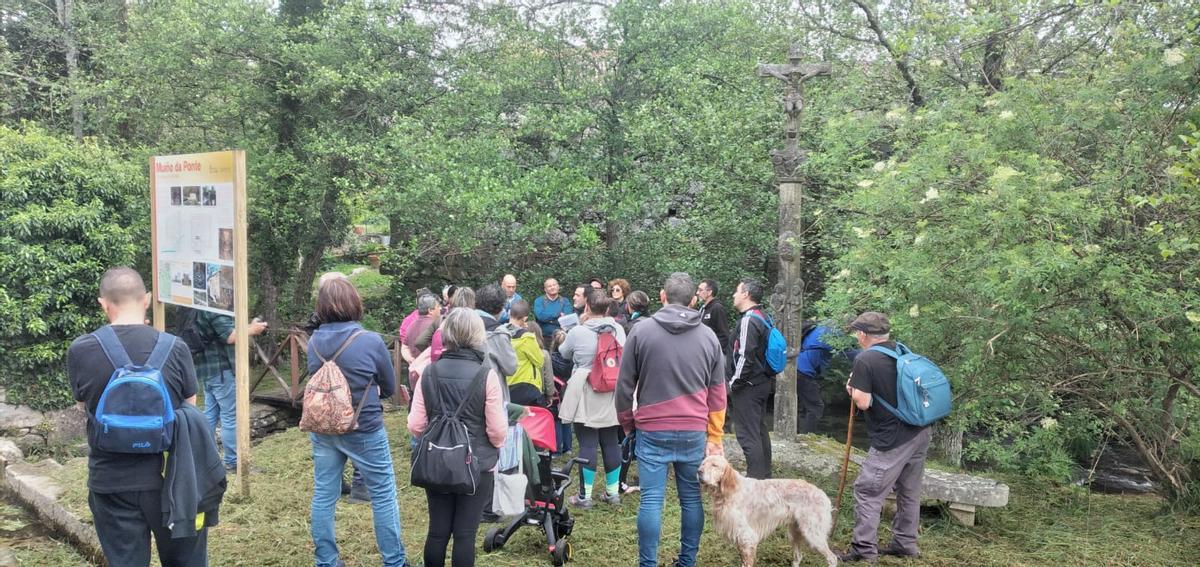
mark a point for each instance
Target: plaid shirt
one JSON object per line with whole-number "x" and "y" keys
{"x": 218, "y": 353}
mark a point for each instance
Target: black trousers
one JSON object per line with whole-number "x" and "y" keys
{"x": 457, "y": 516}
{"x": 124, "y": 522}
{"x": 812, "y": 403}
{"x": 749, "y": 404}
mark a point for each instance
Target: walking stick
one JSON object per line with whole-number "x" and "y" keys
{"x": 845, "y": 465}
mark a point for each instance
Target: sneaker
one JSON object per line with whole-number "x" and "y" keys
{"x": 611, "y": 499}
{"x": 358, "y": 495}
{"x": 896, "y": 551}
{"x": 852, "y": 556}
{"x": 628, "y": 489}
{"x": 581, "y": 503}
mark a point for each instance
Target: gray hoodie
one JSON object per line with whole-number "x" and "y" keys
{"x": 675, "y": 368}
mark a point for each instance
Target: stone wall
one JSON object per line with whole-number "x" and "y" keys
{"x": 33, "y": 430}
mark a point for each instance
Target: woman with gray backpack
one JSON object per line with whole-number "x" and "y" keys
{"x": 351, "y": 371}
{"x": 458, "y": 414}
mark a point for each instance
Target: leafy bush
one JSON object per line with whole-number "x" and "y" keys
{"x": 68, "y": 212}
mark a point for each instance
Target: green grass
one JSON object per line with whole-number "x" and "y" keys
{"x": 1043, "y": 524}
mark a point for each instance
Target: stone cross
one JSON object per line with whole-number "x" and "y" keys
{"x": 793, "y": 74}
{"x": 788, "y": 295}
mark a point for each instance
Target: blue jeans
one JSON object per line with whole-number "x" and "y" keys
{"x": 656, "y": 450}
{"x": 372, "y": 455}
{"x": 220, "y": 405}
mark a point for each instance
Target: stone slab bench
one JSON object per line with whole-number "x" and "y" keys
{"x": 819, "y": 459}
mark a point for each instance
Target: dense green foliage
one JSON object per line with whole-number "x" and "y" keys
{"x": 1015, "y": 181}
{"x": 70, "y": 211}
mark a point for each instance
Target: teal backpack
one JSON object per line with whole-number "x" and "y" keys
{"x": 776, "y": 353}
{"x": 922, "y": 390}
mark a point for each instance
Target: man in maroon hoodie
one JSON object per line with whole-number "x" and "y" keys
{"x": 675, "y": 368}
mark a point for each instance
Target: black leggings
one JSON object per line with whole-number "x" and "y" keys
{"x": 605, "y": 439}
{"x": 457, "y": 515}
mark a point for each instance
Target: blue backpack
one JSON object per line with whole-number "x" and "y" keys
{"x": 135, "y": 413}
{"x": 776, "y": 353}
{"x": 922, "y": 390}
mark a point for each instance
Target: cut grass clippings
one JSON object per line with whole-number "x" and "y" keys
{"x": 1044, "y": 524}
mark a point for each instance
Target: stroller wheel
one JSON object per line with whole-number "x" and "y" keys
{"x": 562, "y": 552}
{"x": 493, "y": 540}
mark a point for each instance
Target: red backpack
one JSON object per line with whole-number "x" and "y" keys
{"x": 607, "y": 363}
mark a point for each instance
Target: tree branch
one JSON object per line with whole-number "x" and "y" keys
{"x": 914, "y": 91}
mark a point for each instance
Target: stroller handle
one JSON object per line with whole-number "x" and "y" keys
{"x": 565, "y": 471}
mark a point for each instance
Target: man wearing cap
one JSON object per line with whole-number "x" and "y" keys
{"x": 897, "y": 455}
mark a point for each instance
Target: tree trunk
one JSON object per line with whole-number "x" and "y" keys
{"x": 946, "y": 444}
{"x": 63, "y": 8}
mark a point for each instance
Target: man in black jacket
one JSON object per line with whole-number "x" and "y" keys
{"x": 713, "y": 315}
{"x": 752, "y": 381}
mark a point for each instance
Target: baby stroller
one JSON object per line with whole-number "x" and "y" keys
{"x": 545, "y": 502}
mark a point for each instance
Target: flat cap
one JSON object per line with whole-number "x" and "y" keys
{"x": 872, "y": 323}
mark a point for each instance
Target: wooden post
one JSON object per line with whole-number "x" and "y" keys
{"x": 294, "y": 351}
{"x": 156, "y": 306}
{"x": 241, "y": 317}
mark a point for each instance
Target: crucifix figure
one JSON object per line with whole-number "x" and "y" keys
{"x": 787, "y": 297}
{"x": 793, "y": 74}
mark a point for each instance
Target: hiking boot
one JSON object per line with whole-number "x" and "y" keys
{"x": 578, "y": 502}
{"x": 896, "y": 551}
{"x": 611, "y": 499}
{"x": 853, "y": 556}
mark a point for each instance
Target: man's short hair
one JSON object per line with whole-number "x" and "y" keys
{"x": 519, "y": 309}
{"x": 122, "y": 284}
{"x": 639, "y": 302}
{"x": 598, "y": 302}
{"x": 426, "y": 303}
{"x": 679, "y": 288}
{"x": 595, "y": 281}
{"x": 753, "y": 288}
{"x": 424, "y": 291}
{"x": 711, "y": 284}
{"x": 490, "y": 299}
{"x": 338, "y": 301}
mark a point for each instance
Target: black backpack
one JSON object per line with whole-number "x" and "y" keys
{"x": 187, "y": 328}
{"x": 444, "y": 461}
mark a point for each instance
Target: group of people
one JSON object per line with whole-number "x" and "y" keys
{"x": 483, "y": 355}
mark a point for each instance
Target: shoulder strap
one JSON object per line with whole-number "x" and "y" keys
{"x": 111, "y": 346}
{"x": 479, "y": 379}
{"x": 765, "y": 321}
{"x": 887, "y": 351}
{"x": 340, "y": 349}
{"x": 162, "y": 350}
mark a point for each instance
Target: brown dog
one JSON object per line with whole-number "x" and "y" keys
{"x": 746, "y": 510}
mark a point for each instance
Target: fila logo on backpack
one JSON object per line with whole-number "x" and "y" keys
{"x": 922, "y": 390}
{"x": 776, "y": 351}
{"x": 606, "y": 365}
{"x": 135, "y": 413}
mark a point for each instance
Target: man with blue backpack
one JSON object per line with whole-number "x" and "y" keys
{"x": 130, "y": 378}
{"x": 758, "y": 356}
{"x": 901, "y": 393}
